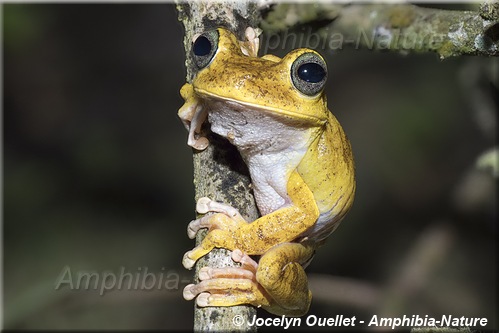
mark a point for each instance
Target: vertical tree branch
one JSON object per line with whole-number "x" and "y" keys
{"x": 219, "y": 172}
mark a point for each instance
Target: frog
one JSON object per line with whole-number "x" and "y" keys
{"x": 300, "y": 162}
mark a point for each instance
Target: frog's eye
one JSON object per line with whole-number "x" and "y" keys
{"x": 204, "y": 48}
{"x": 309, "y": 73}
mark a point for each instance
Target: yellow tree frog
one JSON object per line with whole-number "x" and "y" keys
{"x": 300, "y": 163}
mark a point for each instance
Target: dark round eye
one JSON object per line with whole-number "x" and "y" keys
{"x": 204, "y": 48}
{"x": 309, "y": 73}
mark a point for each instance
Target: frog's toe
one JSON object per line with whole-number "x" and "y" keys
{"x": 187, "y": 293}
{"x": 208, "y": 221}
{"x": 203, "y": 299}
{"x": 225, "y": 292}
{"x": 207, "y": 299}
{"x": 200, "y": 143}
{"x": 205, "y": 205}
{"x": 193, "y": 228}
{"x": 245, "y": 260}
{"x": 187, "y": 261}
{"x": 219, "y": 285}
{"x": 212, "y": 222}
{"x": 207, "y": 273}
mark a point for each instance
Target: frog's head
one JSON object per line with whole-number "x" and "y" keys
{"x": 291, "y": 87}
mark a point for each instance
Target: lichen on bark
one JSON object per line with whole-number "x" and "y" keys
{"x": 402, "y": 28}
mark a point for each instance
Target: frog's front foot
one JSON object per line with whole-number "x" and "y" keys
{"x": 206, "y": 205}
{"x": 193, "y": 116}
{"x": 228, "y": 286}
{"x": 222, "y": 222}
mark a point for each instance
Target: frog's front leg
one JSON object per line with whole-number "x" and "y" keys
{"x": 193, "y": 116}
{"x": 256, "y": 238}
{"x": 278, "y": 283}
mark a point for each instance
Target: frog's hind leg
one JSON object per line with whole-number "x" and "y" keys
{"x": 281, "y": 273}
{"x": 277, "y": 283}
{"x": 228, "y": 286}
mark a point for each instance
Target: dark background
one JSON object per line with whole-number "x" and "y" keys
{"x": 98, "y": 176}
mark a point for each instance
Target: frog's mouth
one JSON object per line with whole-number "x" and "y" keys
{"x": 292, "y": 116}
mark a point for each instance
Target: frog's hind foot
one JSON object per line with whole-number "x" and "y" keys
{"x": 228, "y": 286}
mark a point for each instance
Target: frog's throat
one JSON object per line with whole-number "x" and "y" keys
{"x": 310, "y": 119}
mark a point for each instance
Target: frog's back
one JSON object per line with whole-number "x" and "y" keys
{"x": 328, "y": 169}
